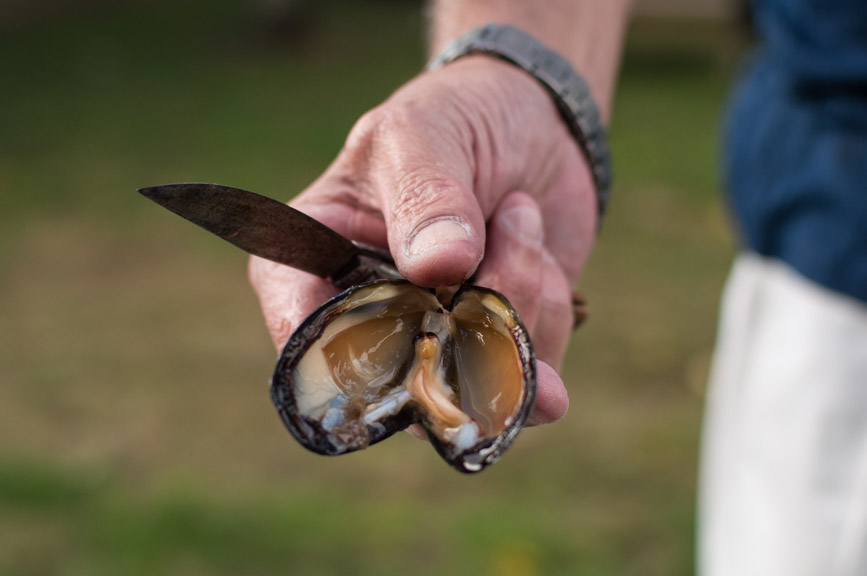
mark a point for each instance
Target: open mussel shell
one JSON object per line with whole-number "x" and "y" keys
{"x": 383, "y": 355}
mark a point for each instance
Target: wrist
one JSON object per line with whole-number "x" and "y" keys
{"x": 588, "y": 33}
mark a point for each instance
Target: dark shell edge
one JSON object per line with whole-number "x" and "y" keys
{"x": 312, "y": 436}
{"x": 492, "y": 450}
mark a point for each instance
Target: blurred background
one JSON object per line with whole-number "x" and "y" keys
{"x": 136, "y": 432}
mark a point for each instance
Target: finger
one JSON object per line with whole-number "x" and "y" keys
{"x": 420, "y": 168}
{"x": 287, "y": 296}
{"x": 514, "y": 265}
{"x": 513, "y": 257}
{"x": 334, "y": 202}
{"x": 553, "y": 327}
{"x": 435, "y": 227}
{"x": 552, "y": 400}
{"x": 570, "y": 216}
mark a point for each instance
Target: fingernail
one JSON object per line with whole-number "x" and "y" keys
{"x": 437, "y": 233}
{"x": 524, "y": 222}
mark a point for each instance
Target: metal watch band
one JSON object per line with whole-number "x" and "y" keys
{"x": 569, "y": 90}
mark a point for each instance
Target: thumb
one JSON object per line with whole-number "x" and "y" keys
{"x": 421, "y": 168}
{"x": 437, "y": 236}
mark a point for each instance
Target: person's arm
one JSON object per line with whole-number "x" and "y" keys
{"x": 469, "y": 169}
{"x": 588, "y": 33}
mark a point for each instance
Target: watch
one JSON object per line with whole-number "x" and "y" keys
{"x": 569, "y": 90}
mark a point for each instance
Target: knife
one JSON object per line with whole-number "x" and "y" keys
{"x": 270, "y": 229}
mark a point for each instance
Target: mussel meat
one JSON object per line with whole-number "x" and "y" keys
{"x": 386, "y": 354}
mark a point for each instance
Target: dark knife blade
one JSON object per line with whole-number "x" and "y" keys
{"x": 261, "y": 226}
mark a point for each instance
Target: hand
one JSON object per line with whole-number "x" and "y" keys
{"x": 467, "y": 169}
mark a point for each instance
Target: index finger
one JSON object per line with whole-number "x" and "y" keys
{"x": 287, "y": 296}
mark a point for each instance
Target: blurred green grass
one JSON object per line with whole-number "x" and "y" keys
{"x": 136, "y": 434}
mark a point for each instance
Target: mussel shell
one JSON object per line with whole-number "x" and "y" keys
{"x": 310, "y": 432}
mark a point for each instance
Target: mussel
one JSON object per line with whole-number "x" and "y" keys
{"x": 386, "y": 354}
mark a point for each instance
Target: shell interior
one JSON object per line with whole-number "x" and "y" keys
{"x": 384, "y": 355}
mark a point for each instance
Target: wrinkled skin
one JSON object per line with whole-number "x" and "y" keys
{"x": 468, "y": 169}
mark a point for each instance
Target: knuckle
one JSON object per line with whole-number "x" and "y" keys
{"x": 520, "y": 284}
{"x": 557, "y": 316}
{"x": 521, "y": 287}
{"x": 385, "y": 122}
{"x": 392, "y": 143}
{"x": 366, "y": 128}
{"x": 558, "y": 309}
{"x": 419, "y": 189}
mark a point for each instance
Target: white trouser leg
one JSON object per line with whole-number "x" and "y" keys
{"x": 783, "y": 487}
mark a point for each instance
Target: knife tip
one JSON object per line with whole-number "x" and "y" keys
{"x": 164, "y": 193}
{"x": 148, "y": 191}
